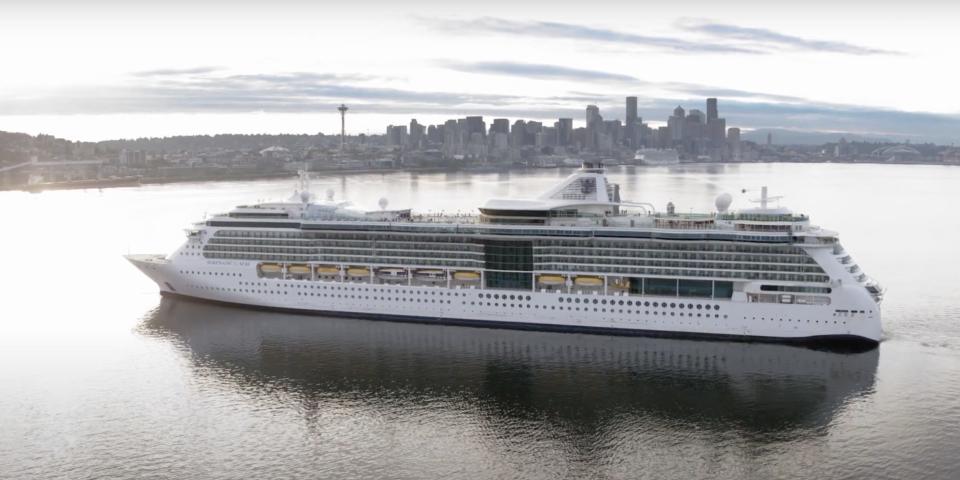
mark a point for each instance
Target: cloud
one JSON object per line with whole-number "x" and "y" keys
{"x": 198, "y": 91}
{"x": 165, "y": 72}
{"x": 580, "y": 32}
{"x": 556, "y": 72}
{"x": 726, "y": 38}
{"x": 536, "y": 70}
{"x": 770, "y": 38}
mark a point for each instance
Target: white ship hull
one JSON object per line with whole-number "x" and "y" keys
{"x": 852, "y": 314}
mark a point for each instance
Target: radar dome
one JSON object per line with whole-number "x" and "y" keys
{"x": 723, "y": 202}
{"x": 329, "y": 194}
{"x": 305, "y": 197}
{"x": 383, "y": 203}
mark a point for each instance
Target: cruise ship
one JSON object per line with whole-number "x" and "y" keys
{"x": 576, "y": 258}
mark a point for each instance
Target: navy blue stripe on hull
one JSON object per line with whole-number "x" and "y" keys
{"x": 839, "y": 340}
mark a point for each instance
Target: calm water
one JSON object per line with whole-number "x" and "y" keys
{"x": 99, "y": 378}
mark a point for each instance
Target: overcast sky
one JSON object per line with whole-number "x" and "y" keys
{"x": 109, "y": 68}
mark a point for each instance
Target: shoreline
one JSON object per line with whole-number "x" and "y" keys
{"x": 124, "y": 182}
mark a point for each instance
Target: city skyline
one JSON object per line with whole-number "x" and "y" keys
{"x": 118, "y": 70}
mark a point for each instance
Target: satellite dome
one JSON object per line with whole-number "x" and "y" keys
{"x": 305, "y": 197}
{"x": 329, "y": 194}
{"x": 723, "y": 202}
{"x": 383, "y": 203}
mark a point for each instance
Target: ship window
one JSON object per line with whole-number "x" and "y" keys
{"x": 722, "y": 289}
{"x": 695, "y": 288}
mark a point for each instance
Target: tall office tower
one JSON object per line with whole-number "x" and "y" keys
{"x": 415, "y": 140}
{"x": 769, "y": 138}
{"x": 532, "y": 130}
{"x": 712, "y": 112}
{"x": 500, "y": 125}
{"x": 593, "y": 114}
{"x": 435, "y": 134}
{"x": 396, "y": 135}
{"x": 594, "y": 127}
{"x": 717, "y": 132}
{"x": 696, "y": 116}
{"x": 518, "y": 134}
{"x": 733, "y": 142}
{"x": 632, "y": 132}
{"x": 476, "y": 125}
{"x": 547, "y": 137}
{"x": 675, "y": 124}
{"x": 451, "y": 138}
{"x": 615, "y": 130}
{"x": 565, "y": 131}
{"x": 733, "y": 135}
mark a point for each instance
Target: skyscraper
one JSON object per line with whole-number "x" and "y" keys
{"x": 594, "y": 126}
{"x": 733, "y": 141}
{"x": 565, "y": 131}
{"x": 500, "y": 125}
{"x": 712, "y": 112}
{"x": 675, "y": 124}
{"x": 415, "y": 140}
{"x": 476, "y": 125}
{"x": 593, "y": 114}
{"x": 632, "y": 129}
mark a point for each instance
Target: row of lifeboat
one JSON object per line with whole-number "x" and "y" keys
{"x": 357, "y": 272}
{"x": 553, "y": 280}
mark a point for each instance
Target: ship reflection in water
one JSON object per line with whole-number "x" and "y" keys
{"x": 598, "y": 383}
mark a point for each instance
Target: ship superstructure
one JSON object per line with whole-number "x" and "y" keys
{"x": 577, "y": 258}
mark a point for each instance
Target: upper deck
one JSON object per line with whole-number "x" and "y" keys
{"x": 583, "y": 205}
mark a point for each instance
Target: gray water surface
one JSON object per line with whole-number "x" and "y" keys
{"x": 100, "y": 378}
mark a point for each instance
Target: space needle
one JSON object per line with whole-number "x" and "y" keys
{"x": 343, "y": 124}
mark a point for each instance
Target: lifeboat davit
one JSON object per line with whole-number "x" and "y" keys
{"x": 429, "y": 272}
{"x": 392, "y": 272}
